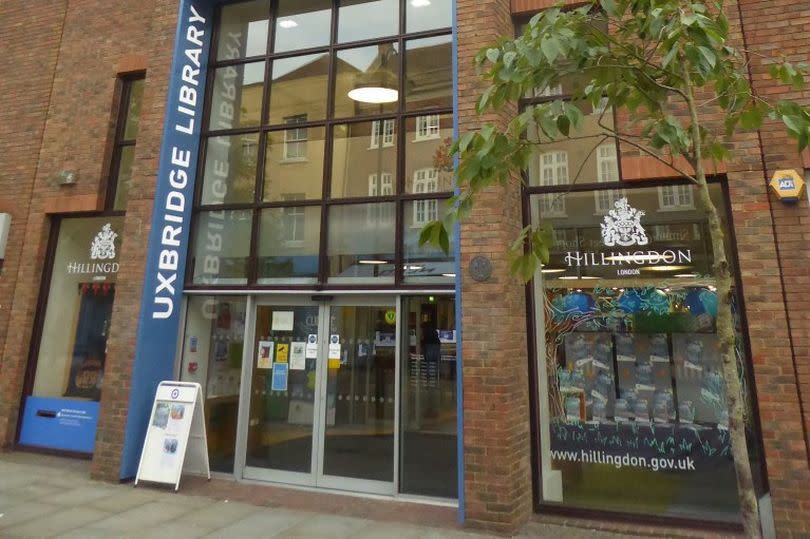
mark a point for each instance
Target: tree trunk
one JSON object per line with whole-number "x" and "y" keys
{"x": 725, "y": 331}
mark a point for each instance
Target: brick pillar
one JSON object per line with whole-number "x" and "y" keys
{"x": 29, "y": 38}
{"x": 497, "y": 467}
{"x": 159, "y": 34}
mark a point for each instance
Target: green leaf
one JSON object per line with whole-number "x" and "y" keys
{"x": 493, "y": 54}
{"x": 708, "y": 55}
{"x": 563, "y": 124}
{"x": 609, "y": 6}
{"x": 509, "y": 58}
{"x": 551, "y": 48}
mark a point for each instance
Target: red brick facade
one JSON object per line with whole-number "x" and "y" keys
{"x": 57, "y": 98}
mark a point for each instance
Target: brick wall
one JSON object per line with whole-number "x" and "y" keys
{"x": 497, "y": 468}
{"x": 97, "y": 38}
{"x": 775, "y": 28}
{"x": 30, "y": 34}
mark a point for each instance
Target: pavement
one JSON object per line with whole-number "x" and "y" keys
{"x": 44, "y": 496}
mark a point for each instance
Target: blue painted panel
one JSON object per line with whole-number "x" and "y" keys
{"x": 66, "y": 424}
{"x": 457, "y": 254}
{"x": 159, "y": 319}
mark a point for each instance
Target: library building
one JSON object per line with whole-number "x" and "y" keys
{"x": 231, "y": 194}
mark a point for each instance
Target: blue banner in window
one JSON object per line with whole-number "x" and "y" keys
{"x": 64, "y": 424}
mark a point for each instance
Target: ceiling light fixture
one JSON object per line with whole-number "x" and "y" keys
{"x": 287, "y": 23}
{"x": 420, "y": 3}
{"x": 553, "y": 270}
{"x": 372, "y": 262}
{"x": 379, "y": 84}
{"x": 452, "y": 275}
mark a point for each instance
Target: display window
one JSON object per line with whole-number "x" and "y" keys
{"x": 66, "y": 373}
{"x": 73, "y": 347}
{"x": 632, "y": 408}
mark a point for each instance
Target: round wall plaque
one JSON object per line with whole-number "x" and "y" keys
{"x": 480, "y": 268}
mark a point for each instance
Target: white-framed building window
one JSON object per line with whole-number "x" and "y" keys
{"x": 295, "y": 138}
{"x": 548, "y": 91}
{"x": 553, "y": 171}
{"x": 249, "y": 149}
{"x": 293, "y": 220}
{"x": 382, "y": 129}
{"x": 380, "y": 185}
{"x": 427, "y": 127}
{"x": 607, "y": 171}
{"x": 676, "y": 197}
{"x": 425, "y": 180}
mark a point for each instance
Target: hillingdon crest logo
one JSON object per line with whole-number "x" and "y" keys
{"x": 103, "y": 246}
{"x": 622, "y": 226}
{"x": 102, "y": 254}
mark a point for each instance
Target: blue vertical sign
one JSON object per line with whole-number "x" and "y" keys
{"x": 159, "y": 320}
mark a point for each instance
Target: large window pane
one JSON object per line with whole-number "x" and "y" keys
{"x": 243, "y": 30}
{"x": 424, "y": 15}
{"x": 288, "y": 244}
{"x": 592, "y": 155}
{"x": 367, "y": 19}
{"x": 221, "y": 247}
{"x": 429, "y": 73}
{"x": 73, "y": 346}
{"x": 302, "y": 25}
{"x": 371, "y": 74}
{"x": 124, "y": 180}
{"x": 133, "y": 114}
{"x": 236, "y": 98}
{"x": 230, "y": 169}
{"x": 428, "y": 166}
{"x": 293, "y": 167}
{"x": 637, "y": 416}
{"x": 425, "y": 264}
{"x": 364, "y": 159}
{"x": 361, "y": 242}
{"x": 299, "y": 88}
{"x": 212, "y": 357}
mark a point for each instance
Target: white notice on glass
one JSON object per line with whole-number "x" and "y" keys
{"x": 282, "y": 321}
{"x": 298, "y": 361}
{"x": 334, "y": 347}
{"x": 312, "y": 346}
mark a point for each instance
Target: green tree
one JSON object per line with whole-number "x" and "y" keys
{"x": 654, "y": 59}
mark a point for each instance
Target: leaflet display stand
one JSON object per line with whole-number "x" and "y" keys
{"x": 175, "y": 438}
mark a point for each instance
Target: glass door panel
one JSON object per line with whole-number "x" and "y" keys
{"x": 283, "y": 388}
{"x": 428, "y": 425}
{"x": 358, "y": 413}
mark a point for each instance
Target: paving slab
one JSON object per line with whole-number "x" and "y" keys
{"x": 23, "y": 512}
{"x": 332, "y": 526}
{"x": 55, "y": 523}
{"x": 140, "y": 517}
{"x": 123, "y": 499}
{"x": 218, "y": 515}
{"x": 79, "y": 496}
{"x": 265, "y": 523}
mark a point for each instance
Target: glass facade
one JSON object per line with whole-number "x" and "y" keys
{"x": 634, "y": 410}
{"x": 323, "y": 158}
{"x": 321, "y": 167}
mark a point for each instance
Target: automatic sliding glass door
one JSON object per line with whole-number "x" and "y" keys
{"x": 284, "y": 393}
{"x": 323, "y": 394}
{"x": 358, "y": 414}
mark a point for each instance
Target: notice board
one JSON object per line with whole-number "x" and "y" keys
{"x": 175, "y": 438}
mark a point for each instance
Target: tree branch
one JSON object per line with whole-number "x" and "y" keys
{"x": 619, "y": 136}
